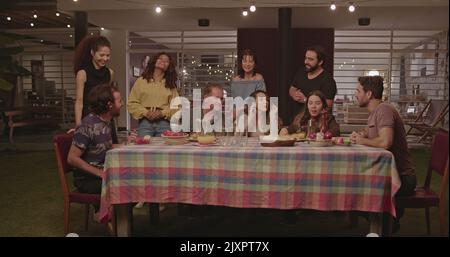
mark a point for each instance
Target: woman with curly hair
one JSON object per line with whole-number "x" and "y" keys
{"x": 149, "y": 99}
{"x": 91, "y": 56}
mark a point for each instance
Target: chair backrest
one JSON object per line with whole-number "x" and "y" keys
{"x": 439, "y": 152}
{"x": 62, "y": 145}
{"x": 435, "y": 110}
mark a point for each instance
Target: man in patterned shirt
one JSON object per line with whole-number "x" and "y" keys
{"x": 93, "y": 138}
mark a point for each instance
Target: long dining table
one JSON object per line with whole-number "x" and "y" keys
{"x": 333, "y": 178}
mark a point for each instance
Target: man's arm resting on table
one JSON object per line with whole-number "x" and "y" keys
{"x": 363, "y": 132}
{"x": 74, "y": 159}
{"x": 384, "y": 140}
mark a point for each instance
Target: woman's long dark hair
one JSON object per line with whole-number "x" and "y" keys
{"x": 83, "y": 54}
{"x": 170, "y": 75}
{"x": 306, "y": 114}
{"x": 246, "y": 52}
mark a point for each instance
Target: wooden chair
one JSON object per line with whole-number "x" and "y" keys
{"x": 424, "y": 196}
{"x": 62, "y": 145}
{"x": 427, "y": 122}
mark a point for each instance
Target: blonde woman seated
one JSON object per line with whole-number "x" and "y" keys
{"x": 316, "y": 111}
{"x": 251, "y": 114}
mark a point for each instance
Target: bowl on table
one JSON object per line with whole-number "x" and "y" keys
{"x": 176, "y": 140}
{"x": 269, "y": 141}
{"x": 206, "y": 139}
{"x": 321, "y": 143}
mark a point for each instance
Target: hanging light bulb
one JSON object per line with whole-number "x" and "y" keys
{"x": 57, "y": 14}
{"x": 68, "y": 25}
{"x": 158, "y": 9}
{"x": 252, "y": 8}
{"x": 244, "y": 12}
{"x": 31, "y": 24}
{"x": 35, "y": 16}
{"x": 351, "y": 7}
{"x": 8, "y": 18}
{"x": 333, "y": 6}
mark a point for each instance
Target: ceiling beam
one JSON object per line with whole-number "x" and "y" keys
{"x": 28, "y": 5}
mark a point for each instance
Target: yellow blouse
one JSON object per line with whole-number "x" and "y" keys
{"x": 150, "y": 95}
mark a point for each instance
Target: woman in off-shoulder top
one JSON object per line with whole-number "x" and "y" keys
{"x": 248, "y": 80}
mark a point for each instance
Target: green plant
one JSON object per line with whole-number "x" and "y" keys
{"x": 8, "y": 65}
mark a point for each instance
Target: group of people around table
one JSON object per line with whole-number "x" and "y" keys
{"x": 98, "y": 102}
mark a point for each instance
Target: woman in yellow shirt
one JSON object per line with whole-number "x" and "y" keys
{"x": 149, "y": 99}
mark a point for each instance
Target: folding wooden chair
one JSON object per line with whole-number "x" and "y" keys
{"x": 427, "y": 122}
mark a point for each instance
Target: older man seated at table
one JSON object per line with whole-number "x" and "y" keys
{"x": 93, "y": 138}
{"x": 385, "y": 129}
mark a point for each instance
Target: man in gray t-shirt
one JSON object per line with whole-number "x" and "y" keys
{"x": 385, "y": 129}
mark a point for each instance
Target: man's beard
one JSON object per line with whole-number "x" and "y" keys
{"x": 363, "y": 104}
{"x": 311, "y": 69}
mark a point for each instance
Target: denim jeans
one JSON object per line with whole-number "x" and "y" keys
{"x": 154, "y": 129}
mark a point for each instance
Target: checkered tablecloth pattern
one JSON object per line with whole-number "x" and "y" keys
{"x": 301, "y": 177}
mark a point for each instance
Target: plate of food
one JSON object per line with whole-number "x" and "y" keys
{"x": 321, "y": 143}
{"x": 300, "y": 136}
{"x": 206, "y": 139}
{"x": 175, "y": 138}
{"x": 341, "y": 141}
{"x": 269, "y": 141}
{"x": 320, "y": 139}
{"x": 143, "y": 140}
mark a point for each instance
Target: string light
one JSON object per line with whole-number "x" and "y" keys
{"x": 333, "y": 6}
{"x": 158, "y": 9}
{"x": 35, "y": 16}
{"x": 351, "y": 7}
{"x": 31, "y": 24}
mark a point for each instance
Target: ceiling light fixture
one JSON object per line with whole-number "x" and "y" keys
{"x": 102, "y": 28}
{"x": 333, "y": 6}
{"x": 252, "y": 8}
{"x": 244, "y": 12}
{"x": 158, "y": 9}
{"x": 351, "y": 7}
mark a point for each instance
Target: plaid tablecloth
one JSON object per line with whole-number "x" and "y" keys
{"x": 322, "y": 178}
